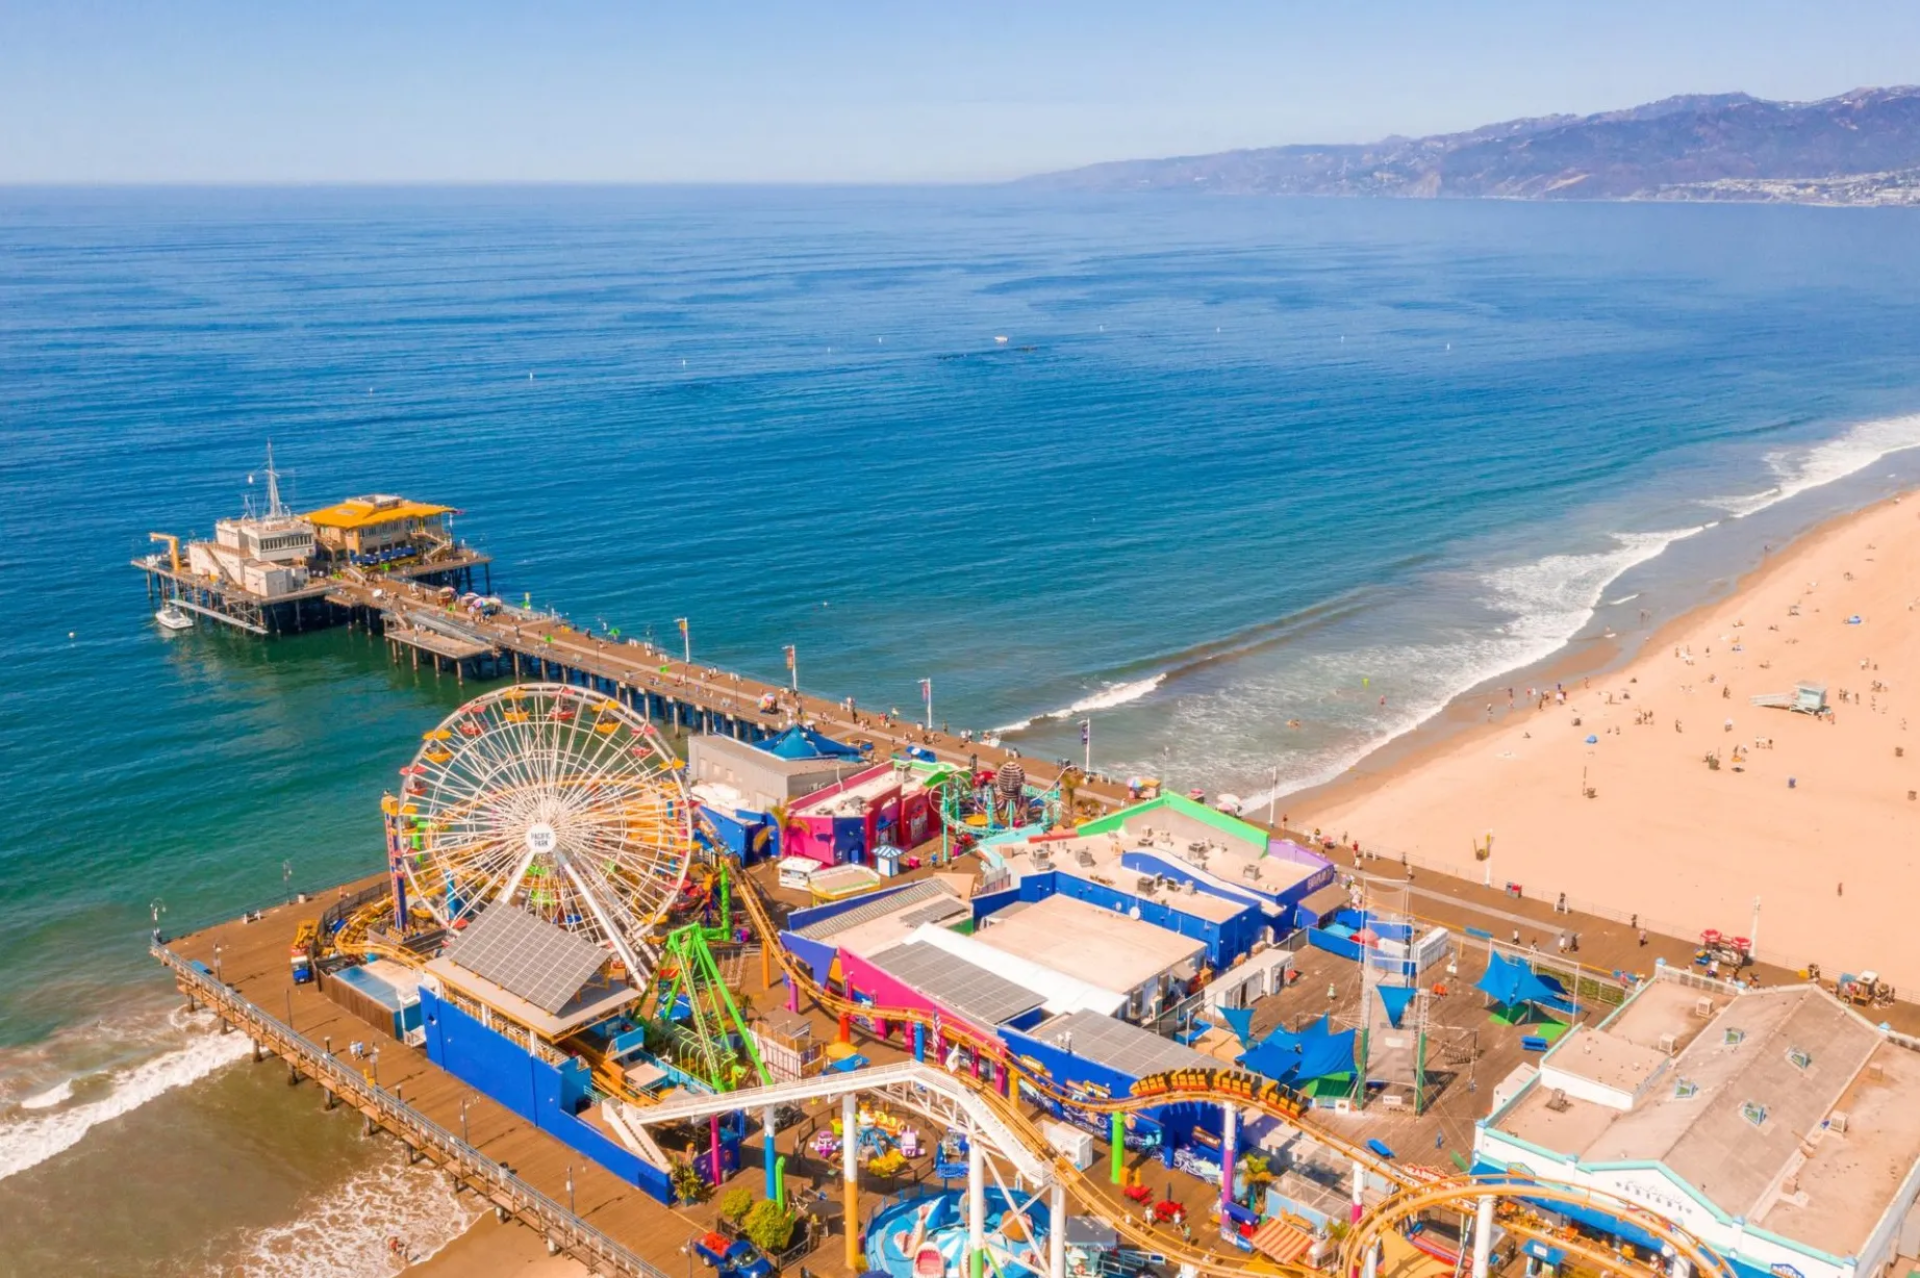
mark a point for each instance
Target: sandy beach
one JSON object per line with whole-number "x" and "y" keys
{"x": 490, "y": 1249}
{"x": 1609, "y": 797}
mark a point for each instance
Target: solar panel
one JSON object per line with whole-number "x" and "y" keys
{"x": 866, "y": 912}
{"x": 528, "y": 956}
{"x": 1119, "y": 1046}
{"x": 975, "y": 993}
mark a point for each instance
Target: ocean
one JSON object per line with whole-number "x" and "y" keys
{"x": 1249, "y": 486}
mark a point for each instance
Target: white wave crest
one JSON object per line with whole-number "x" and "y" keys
{"x": 1108, "y": 697}
{"x": 59, "y": 1094}
{"x": 1545, "y": 603}
{"x": 28, "y": 1142}
{"x": 346, "y": 1233}
{"x": 1551, "y": 598}
{"x": 1848, "y": 454}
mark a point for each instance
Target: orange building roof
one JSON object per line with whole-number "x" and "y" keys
{"x": 366, "y": 512}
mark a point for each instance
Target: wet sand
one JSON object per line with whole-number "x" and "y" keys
{"x": 493, "y": 1250}
{"x": 1832, "y": 858}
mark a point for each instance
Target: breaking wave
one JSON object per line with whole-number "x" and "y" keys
{"x": 1796, "y": 472}
{"x": 346, "y": 1233}
{"x": 57, "y": 1125}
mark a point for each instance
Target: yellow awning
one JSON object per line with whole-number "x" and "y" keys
{"x": 363, "y": 512}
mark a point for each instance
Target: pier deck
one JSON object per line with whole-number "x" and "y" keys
{"x": 697, "y": 697}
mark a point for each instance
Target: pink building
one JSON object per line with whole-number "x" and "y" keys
{"x": 843, "y": 823}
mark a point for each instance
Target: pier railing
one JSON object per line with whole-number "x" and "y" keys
{"x": 563, "y": 1230}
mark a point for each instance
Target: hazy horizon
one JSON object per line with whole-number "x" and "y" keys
{"x": 220, "y": 94}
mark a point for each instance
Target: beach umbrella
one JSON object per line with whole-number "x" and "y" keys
{"x": 1592, "y": 740}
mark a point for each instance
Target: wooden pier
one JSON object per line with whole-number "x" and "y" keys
{"x": 663, "y": 688}
{"x": 230, "y": 603}
{"x": 385, "y": 1105}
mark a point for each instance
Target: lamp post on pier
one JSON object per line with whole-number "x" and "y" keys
{"x": 926, "y": 693}
{"x": 1086, "y": 741}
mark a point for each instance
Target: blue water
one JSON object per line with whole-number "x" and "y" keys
{"x": 1238, "y": 463}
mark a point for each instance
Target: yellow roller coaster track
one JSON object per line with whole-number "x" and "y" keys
{"x": 1414, "y": 1192}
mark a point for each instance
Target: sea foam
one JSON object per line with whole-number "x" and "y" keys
{"x": 28, "y": 1142}
{"x": 1107, "y": 698}
{"x": 344, "y": 1234}
{"x": 1797, "y": 471}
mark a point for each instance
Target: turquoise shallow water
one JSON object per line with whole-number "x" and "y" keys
{"x": 1237, "y": 463}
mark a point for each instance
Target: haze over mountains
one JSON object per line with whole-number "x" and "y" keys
{"x": 1861, "y": 147}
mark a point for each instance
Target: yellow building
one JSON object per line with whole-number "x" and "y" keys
{"x": 381, "y": 525}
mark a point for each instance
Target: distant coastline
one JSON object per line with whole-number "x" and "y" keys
{"x": 1858, "y": 149}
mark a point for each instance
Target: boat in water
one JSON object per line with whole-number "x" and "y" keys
{"x": 174, "y": 617}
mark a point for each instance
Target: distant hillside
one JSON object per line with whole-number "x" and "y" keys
{"x": 1859, "y": 148}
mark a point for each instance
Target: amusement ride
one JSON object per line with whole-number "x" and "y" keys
{"x": 564, "y": 803}
{"x": 561, "y": 801}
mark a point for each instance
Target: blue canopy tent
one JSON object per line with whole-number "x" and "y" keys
{"x": 1396, "y": 998}
{"x": 1240, "y": 1021}
{"x": 800, "y": 742}
{"x": 1512, "y": 985}
{"x": 1298, "y": 1059}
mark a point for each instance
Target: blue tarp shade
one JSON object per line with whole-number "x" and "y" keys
{"x": 1240, "y": 1021}
{"x": 1314, "y": 1052}
{"x": 1395, "y": 999}
{"x": 1330, "y": 1055}
{"x": 804, "y": 743}
{"x": 1508, "y": 982}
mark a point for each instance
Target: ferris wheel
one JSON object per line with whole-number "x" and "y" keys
{"x": 552, "y": 798}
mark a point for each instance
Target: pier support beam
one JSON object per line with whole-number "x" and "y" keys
{"x": 333, "y": 1099}
{"x": 1057, "y": 1231}
{"x": 1229, "y": 1153}
{"x": 258, "y": 1055}
{"x": 770, "y": 1124}
{"x": 976, "y": 1205}
{"x": 850, "y": 1179}
{"x": 1482, "y": 1234}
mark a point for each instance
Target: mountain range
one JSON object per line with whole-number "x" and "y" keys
{"x": 1861, "y": 147}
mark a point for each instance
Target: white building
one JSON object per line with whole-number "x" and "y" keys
{"x": 1778, "y": 1126}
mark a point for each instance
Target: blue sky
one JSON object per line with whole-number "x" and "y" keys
{"x": 207, "y": 91}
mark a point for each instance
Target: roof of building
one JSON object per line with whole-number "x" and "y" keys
{"x": 527, "y": 956}
{"x": 915, "y": 893}
{"x": 1117, "y": 1045}
{"x": 365, "y": 512}
{"x": 982, "y": 997}
{"x": 1171, "y": 805}
{"x": 1098, "y": 860}
{"x": 1101, "y": 947}
{"x": 1736, "y": 1111}
{"x": 1061, "y": 993}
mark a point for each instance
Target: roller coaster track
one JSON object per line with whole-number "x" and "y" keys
{"x": 1412, "y": 1194}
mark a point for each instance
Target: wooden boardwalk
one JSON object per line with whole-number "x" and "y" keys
{"x": 699, "y": 697}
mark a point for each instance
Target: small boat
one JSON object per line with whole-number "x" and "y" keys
{"x": 174, "y": 617}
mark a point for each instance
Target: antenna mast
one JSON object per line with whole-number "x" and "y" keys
{"x": 276, "y": 509}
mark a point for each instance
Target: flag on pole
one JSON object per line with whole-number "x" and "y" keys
{"x": 926, "y": 689}
{"x": 1086, "y": 732}
{"x": 682, "y": 623}
{"x": 789, "y": 656}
